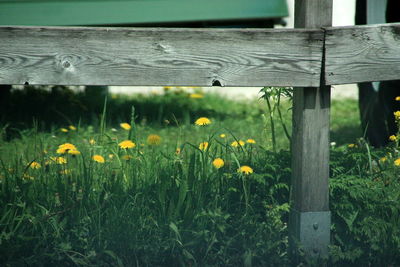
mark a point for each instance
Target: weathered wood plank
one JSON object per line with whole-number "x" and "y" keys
{"x": 313, "y": 13}
{"x": 362, "y": 53}
{"x": 160, "y": 56}
{"x": 309, "y": 223}
{"x": 310, "y": 148}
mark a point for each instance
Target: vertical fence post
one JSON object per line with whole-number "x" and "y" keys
{"x": 309, "y": 226}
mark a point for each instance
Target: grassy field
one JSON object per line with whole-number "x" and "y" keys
{"x": 181, "y": 179}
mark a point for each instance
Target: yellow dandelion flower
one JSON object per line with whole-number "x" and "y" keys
{"x": 59, "y": 160}
{"x": 245, "y": 170}
{"x": 238, "y": 143}
{"x": 98, "y": 158}
{"x": 72, "y": 128}
{"x": 397, "y": 162}
{"x": 92, "y": 141}
{"x": 222, "y": 135}
{"x": 153, "y": 139}
{"x": 251, "y": 141}
{"x": 352, "y": 145}
{"x": 397, "y": 115}
{"x": 392, "y": 138}
{"x": 202, "y": 121}
{"x": 196, "y": 96}
{"x": 127, "y": 144}
{"x": 67, "y": 146}
{"x": 203, "y": 146}
{"x": 218, "y": 163}
{"x": 74, "y": 152}
{"x": 64, "y": 148}
{"x": 126, "y": 157}
{"x": 64, "y": 130}
{"x": 397, "y": 98}
{"x": 125, "y": 126}
{"x": 35, "y": 165}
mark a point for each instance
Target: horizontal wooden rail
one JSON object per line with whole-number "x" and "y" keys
{"x": 198, "y": 57}
{"x": 362, "y": 53}
{"x": 160, "y": 56}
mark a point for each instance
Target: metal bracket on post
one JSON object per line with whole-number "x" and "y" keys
{"x": 312, "y": 232}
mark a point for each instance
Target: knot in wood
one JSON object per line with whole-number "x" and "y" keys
{"x": 216, "y": 82}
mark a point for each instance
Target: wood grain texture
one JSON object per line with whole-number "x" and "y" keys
{"x": 362, "y": 53}
{"x": 313, "y": 13}
{"x": 160, "y": 56}
{"x": 310, "y": 149}
{"x": 311, "y": 112}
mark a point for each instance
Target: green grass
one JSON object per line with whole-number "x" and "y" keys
{"x": 345, "y": 121}
{"x": 162, "y": 208}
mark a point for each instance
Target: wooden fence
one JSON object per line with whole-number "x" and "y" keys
{"x": 198, "y": 57}
{"x": 310, "y": 59}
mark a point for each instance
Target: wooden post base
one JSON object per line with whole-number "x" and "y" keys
{"x": 310, "y": 233}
